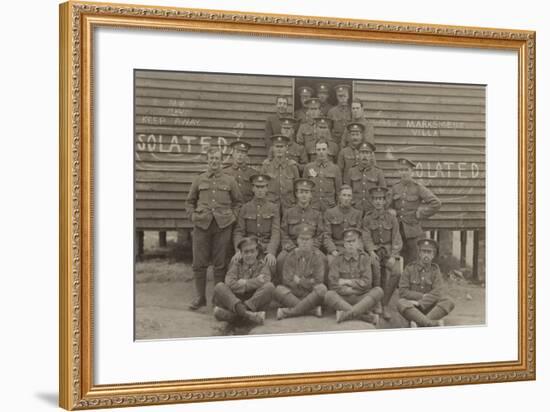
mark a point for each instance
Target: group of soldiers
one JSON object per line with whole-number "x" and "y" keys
{"x": 317, "y": 226}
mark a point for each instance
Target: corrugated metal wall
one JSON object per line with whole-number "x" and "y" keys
{"x": 442, "y": 128}
{"x": 177, "y": 115}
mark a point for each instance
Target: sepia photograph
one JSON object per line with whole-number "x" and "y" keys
{"x": 277, "y": 205}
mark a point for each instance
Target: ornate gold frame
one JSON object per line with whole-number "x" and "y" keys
{"x": 77, "y": 22}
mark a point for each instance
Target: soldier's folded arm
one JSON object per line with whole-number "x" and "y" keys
{"x": 334, "y": 276}
{"x": 232, "y": 279}
{"x": 289, "y": 271}
{"x": 405, "y": 291}
{"x": 263, "y": 277}
{"x": 431, "y": 203}
{"x": 236, "y": 197}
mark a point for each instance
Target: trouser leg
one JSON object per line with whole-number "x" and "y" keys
{"x": 261, "y": 297}
{"x": 279, "y": 267}
{"x": 201, "y": 258}
{"x": 377, "y": 270}
{"x": 393, "y": 275}
{"x": 336, "y": 302}
{"x": 221, "y": 250}
{"x": 409, "y": 251}
{"x": 412, "y": 313}
{"x": 368, "y": 301}
{"x": 285, "y": 297}
{"x": 310, "y": 301}
{"x": 441, "y": 309}
{"x": 225, "y": 297}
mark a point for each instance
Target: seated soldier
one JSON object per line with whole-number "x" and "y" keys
{"x": 302, "y": 213}
{"x": 383, "y": 242}
{"x": 420, "y": 289}
{"x": 247, "y": 287}
{"x": 259, "y": 218}
{"x": 302, "y": 290}
{"x": 351, "y": 292}
{"x": 338, "y": 219}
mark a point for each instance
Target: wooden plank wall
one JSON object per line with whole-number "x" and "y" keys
{"x": 442, "y": 128}
{"x": 176, "y": 116}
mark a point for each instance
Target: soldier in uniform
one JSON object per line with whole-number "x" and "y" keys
{"x": 412, "y": 202}
{"x": 364, "y": 176}
{"x": 247, "y": 288}
{"x": 305, "y": 93}
{"x": 336, "y": 220}
{"x": 358, "y": 116}
{"x": 351, "y": 290}
{"x": 273, "y": 122}
{"x": 302, "y": 290}
{"x": 322, "y": 132}
{"x": 340, "y": 114}
{"x": 420, "y": 289}
{"x": 327, "y": 178}
{"x": 282, "y": 172}
{"x": 383, "y": 242}
{"x": 349, "y": 155}
{"x": 294, "y": 150}
{"x": 306, "y": 132}
{"x": 240, "y": 169}
{"x": 260, "y": 218}
{"x": 323, "y": 93}
{"x": 215, "y": 200}
{"x": 302, "y": 213}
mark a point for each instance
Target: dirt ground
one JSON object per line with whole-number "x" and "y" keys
{"x": 164, "y": 288}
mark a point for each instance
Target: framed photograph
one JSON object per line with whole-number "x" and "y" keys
{"x": 259, "y": 205}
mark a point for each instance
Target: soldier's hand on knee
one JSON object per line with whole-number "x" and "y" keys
{"x": 270, "y": 260}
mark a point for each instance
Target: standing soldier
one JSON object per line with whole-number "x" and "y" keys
{"x": 247, "y": 288}
{"x": 341, "y": 113}
{"x": 306, "y": 135}
{"x": 302, "y": 290}
{"x": 282, "y": 172}
{"x": 323, "y": 93}
{"x": 412, "y": 202}
{"x": 358, "y": 116}
{"x": 420, "y": 289}
{"x": 336, "y": 220}
{"x": 294, "y": 150}
{"x": 351, "y": 290}
{"x": 215, "y": 200}
{"x": 259, "y": 218}
{"x": 240, "y": 169}
{"x": 273, "y": 122}
{"x": 383, "y": 242}
{"x": 305, "y": 93}
{"x": 326, "y": 176}
{"x": 349, "y": 155}
{"x": 302, "y": 213}
{"x": 322, "y": 132}
{"x": 364, "y": 176}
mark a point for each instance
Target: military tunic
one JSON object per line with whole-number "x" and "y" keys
{"x": 340, "y": 116}
{"x": 242, "y": 176}
{"x": 348, "y": 158}
{"x": 301, "y": 116}
{"x": 306, "y": 135}
{"x": 281, "y": 186}
{"x": 356, "y": 267}
{"x": 296, "y": 216}
{"x": 424, "y": 285}
{"x": 256, "y": 291}
{"x": 381, "y": 231}
{"x": 336, "y": 220}
{"x": 272, "y": 126}
{"x": 260, "y": 218}
{"x": 328, "y": 180}
{"x": 308, "y": 266}
{"x": 325, "y": 107}
{"x": 361, "y": 179}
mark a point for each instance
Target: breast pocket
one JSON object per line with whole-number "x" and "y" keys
{"x": 250, "y": 224}
{"x": 386, "y": 232}
{"x": 266, "y": 222}
{"x": 336, "y": 226}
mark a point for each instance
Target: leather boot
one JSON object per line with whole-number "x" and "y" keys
{"x": 365, "y": 305}
{"x": 200, "y": 290}
{"x": 223, "y": 315}
{"x": 437, "y": 314}
{"x": 414, "y": 315}
{"x": 305, "y": 305}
